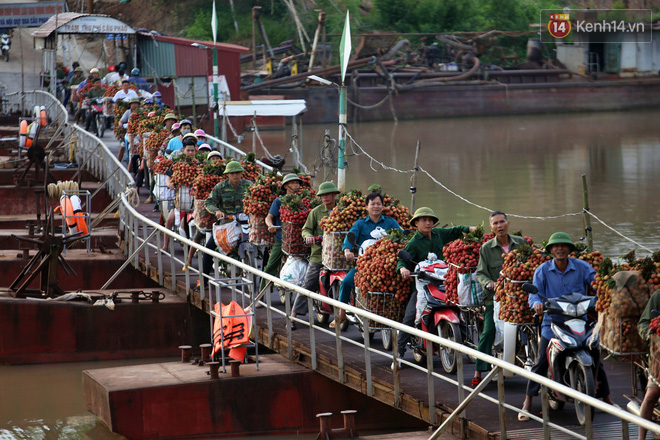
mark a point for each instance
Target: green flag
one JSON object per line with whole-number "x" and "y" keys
{"x": 345, "y": 47}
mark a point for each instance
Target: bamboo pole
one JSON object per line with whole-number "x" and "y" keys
{"x": 413, "y": 185}
{"x": 585, "y": 214}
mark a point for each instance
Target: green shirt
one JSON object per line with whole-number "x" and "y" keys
{"x": 227, "y": 198}
{"x": 96, "y": 93}
{"x": 76, "y": 80}
{"x": 490, "y": 263}
{"x": 644, "y": 326}
{"x": 312, "y": 228}
{"x": 420, "y": 245}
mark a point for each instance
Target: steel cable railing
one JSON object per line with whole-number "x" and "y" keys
{"x": 98, "y": 160}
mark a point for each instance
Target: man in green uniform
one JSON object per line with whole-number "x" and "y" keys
{"x": 488, "y": 271}
{"x": 312, "y": 228}
{"x": 426, "y": 240}
{"x": 652, "y": 393}
{"x": 225, "y": 199}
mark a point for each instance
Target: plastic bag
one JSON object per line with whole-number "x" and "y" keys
{"x": 376, "y": 235}
{"x": 294, "y": 271}
{"x": 499, "y": 324}
{"x": 226, "y": 236}
{"x": 422, "y": 301}
{"x": 470, "y": 292}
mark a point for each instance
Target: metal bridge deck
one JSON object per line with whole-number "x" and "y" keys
{"x": 483, "y": 415}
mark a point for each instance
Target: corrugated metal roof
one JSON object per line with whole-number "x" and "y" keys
{"x": 88, "y": 23}
{"x": 187, "y": 42}
{"x": 157, "y": 59}
{"x": 56, "y": 21}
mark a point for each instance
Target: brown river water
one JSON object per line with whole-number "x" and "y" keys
{"x": 525, "y": 165}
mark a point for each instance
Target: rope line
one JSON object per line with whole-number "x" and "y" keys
{"x": 617, "y": 232}
{"x": 371, "y": 158}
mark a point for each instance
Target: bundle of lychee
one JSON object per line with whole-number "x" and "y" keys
{"x": 137, "y": 118}
{"x": 382, "y": 289}
{"x": 156, "y": 139}
{"x": 463, "y": 256}
{"x": 252, "y": 170}
{"x": 262, "y": 194}
{"x": 393, "y": 208}
{"x": 293, "y": 214}
{"x": 518, "y": 268}
{"x": 161, "y": 165}
{"x": 210, "y": 176}
{"x": 351, "y": 206}
{"x": 184, "y": 173}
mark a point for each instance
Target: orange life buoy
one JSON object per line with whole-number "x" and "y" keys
{"x": 66, "y": 208}
{"x": 43, "y": 116}
{"x": 32, "y": 133}
{"x": 22, "y": 131}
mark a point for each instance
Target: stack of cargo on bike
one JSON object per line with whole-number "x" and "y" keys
{"x": 462, "y": 255}
{"x": 623, "y": 292}
{"x": 256, "y": 204}
{"x": 518, "y": 268}
{"x": 153, "y": 143}
{"x": 211, "y": 175}
{"x": 380, "y": 289}
{"x": 293, "y": 214}
{"x": 184, "y": 173}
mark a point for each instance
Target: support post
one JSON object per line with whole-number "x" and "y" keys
{"x": 215, "y": 84}
{"x": 194, "y": 107}
{"x": 341, "y": 173}
{"x": 413, "y": 183}
{"x": 585, "y": 214}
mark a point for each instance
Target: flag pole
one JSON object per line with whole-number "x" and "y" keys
{"x": 215, "y": 72}
{"x": 345, "y": 55}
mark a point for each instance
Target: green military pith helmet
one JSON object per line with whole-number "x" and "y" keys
{"x": 560, "y": 237}
{"x": 234, "y": 167}
{"x": 327, "y": 188}
{"x": 132, "y": 100}
{"x": 424, "y": 212}
{"x": 290, "y": 178}
{"x": 169, "y": 116}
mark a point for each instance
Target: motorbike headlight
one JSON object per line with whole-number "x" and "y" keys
{"x": 570, "y": 341}
{"x": 566, "y": 307}
{"x": 582, "y": 307}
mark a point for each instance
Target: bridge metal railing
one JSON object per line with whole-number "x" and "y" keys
{"x": 143, "y": 236}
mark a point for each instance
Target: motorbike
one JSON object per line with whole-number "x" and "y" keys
{"x": 5, "y": 45}
{"x": 329, "y": 283}
{"x": 573, "y": 352}
{"x": 95, "y": 119}
{"x": 438, "y": 317}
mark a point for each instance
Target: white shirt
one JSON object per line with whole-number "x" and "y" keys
{"x": 125, "y": 95}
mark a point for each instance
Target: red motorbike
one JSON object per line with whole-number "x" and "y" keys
{"x": 438, "y": 316}
{"x": 329, "y": 283}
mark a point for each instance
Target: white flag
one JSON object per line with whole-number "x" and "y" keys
{"x": 213, "y": 23}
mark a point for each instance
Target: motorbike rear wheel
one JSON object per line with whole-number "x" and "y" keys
{"x": 451, "y": 331}
{"x": 386, "y": 336}
{"x": 6, "y": 54}
{"x": 582, "y": 380}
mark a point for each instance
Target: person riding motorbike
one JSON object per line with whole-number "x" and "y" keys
{"x": 554, "y": 278}
{"x": 426, "y": 240}
{"x": 362, "y": 229}
{"x": 312, "y": 228}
